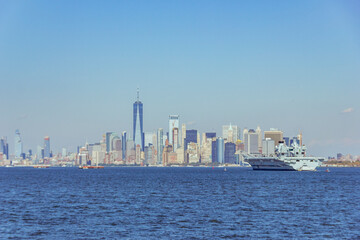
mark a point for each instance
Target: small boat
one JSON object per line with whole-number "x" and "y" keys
{"x": 41, "y": 166}
{"x": 225, "y": 170}
{"x": 91, "y": 167}
{"x": 327, "y": 170}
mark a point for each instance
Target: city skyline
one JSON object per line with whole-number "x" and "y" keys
{"x": 73, "y": 76}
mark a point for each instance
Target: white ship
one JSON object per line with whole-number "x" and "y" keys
{"x": 286, "y": 159}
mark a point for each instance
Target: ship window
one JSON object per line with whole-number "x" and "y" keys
{"x": 311, "y": 160}
{"x": 298, "y": 160}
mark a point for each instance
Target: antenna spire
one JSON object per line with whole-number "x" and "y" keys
{"x": 138, "y": 94}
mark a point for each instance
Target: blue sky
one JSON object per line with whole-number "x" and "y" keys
{"x": 70, "y": 69}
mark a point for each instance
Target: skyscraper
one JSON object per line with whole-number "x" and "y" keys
{"x": 258, "y": 132}
{"x": 210, "y": 135}
{"x": 138, "y": 136}
{"x": 229, "y": 155}
{"x": 110, "y": 136}
{"x": 191, "y": 136}
{"x": 46, "y": 147}
{"x": 275, "y": 135}
{"x": 175, "y": 134}
{"x": 220, "y": 150}
{"x": 214, "y": 150}
{"x": 173, "y": 123}
{"x": 159, "y": 145}
{"x": 18, "y": 144}
{"x": 183, "y": 135}
{"x": 251, "y": 141}
{"x": 123, "y": 143}
{"x": 148, "y": 136}
{"x": 4, "y": 147}
{"x": 230, "y": 133}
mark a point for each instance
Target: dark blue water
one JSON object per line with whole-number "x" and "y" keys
{"x": 178, "y": 203}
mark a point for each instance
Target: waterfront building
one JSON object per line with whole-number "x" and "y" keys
{"x": 138, "y": 132}
{"x": 173, "y": 123}
{"x": 130, "y": 151}
{"x": 213, "y": 150}
{"x": 229, "y": 153}
{"x": 47, "y": 153}
{"x": 167, "y": 150}
{"x": 123, "y": 143}
{"x": 198, "y": 140}
{"x": 154, "y": 141}
{"x": 108, "y": 141}
{"x": 183, "y": 135}
{"x": 275, "y": 135}
{"x": 39, "y": 151}
{"x": 115, "y": 157}
{"x": 258, "y": 132}
{"x": 268, "y": 147}
{"x": 160, "y": 145}
{"x": 206, "y": 149}
{"x": 97, "y": 155}
{"x": 175, "y": 134}
{"x": 191, "y": 136}
{"x": 245, "y": 139}
{"x": 172, "y": 158}
{"x": 116, "y": 144}
{"x": 180, "y": 155}
{"x": 138, "y": 154}
{"x": 18, "y": 144}
{"x": 239, "y": 145}
{"x": 220, "y": 150}
{"x": 4, "y": 148}
{"x": 148, "y": 138}
{"x": 251, "y": 141}
{"x": 165, "y": 138}
{"x": 193, "y": 153}
{"x": 148, "y": 154}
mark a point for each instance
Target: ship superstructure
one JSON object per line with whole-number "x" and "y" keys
{"x": 286, "y": 158}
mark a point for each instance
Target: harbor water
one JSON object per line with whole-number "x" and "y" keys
{"x": 178, "y": 203}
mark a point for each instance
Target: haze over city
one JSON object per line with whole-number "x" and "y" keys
{"x": 70, "y": 70}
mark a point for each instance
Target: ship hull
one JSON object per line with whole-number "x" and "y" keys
{"x": 286, "y": 164}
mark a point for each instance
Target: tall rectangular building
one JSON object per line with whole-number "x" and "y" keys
{"x": 275, "y": 135}
{"x": 191, "y": 136}
{"x": 251, "y": 141}
{"x": 230, "y": 133}
{"x": 123, "y": 143}
{"x": 268, "y": 147}
{"x": 220, "y": 150}
{"x": 173, "y": 123}
{"x": 4, "y": 147}
{"x": 18, "y": 144}
{"x": 138, "y": 136}
{"x": 160, "y": 145}
{"x": 47, "y": 147}
{"x": 229, "y": 154}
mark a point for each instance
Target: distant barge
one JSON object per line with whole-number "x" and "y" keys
{"x": 41, "y": 166}
{"x": 91, "y": 167}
